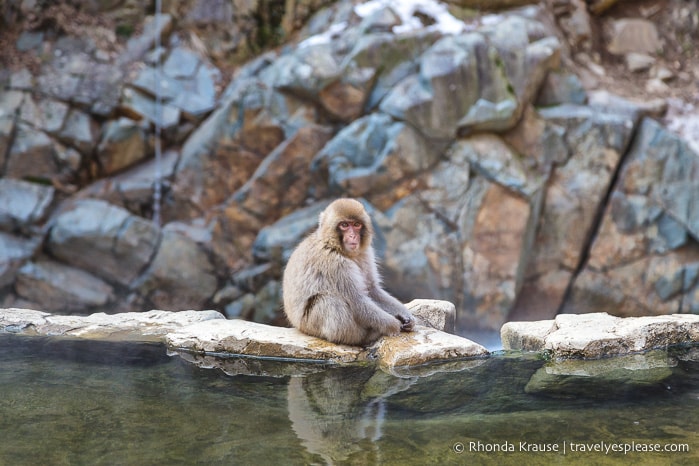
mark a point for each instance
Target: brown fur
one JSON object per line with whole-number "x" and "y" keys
{"x": 335, "y": 294}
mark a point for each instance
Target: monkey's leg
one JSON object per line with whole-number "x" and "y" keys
{"x": 332, "y": 319}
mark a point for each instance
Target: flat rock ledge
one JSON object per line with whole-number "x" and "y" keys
{"x": 208, "y": 332}
{"x": 597, "y": 335}
{"x": 421, "y": 346}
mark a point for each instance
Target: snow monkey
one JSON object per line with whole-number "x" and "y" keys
{"x": 331, "y": 284}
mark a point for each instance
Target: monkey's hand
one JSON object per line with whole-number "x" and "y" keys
{"x": 407, "y": 322}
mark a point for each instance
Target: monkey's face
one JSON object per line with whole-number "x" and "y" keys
{"x": 351, "y": 233}
{"x": 345, "y": 227}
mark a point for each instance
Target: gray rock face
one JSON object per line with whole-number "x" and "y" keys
{"x": 104, "y": 239}
{"x": 279, "y": 240}
{"x": 123, "y": 144}
{"x": 60, "y": 288}
{"x": 23, "y": 204}
{"x": 644, "y": 258}
{"x": 180, "y": 276}
{"x": 475, "y": 81}
{"x": 262, "y": 195}
{"x": 486, "y": 167}
{"x": 32, "y": 154}
{"x": 14, "y": 252}
{"x": 185, "y": 83}
{"x": 373, "y": 153}
{"x": 574, "y": 193}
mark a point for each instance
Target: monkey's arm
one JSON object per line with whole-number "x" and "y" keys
{"x": 369, "y": 314}
{"x": 392, "y": 306}
{"x": 383, "y": 299}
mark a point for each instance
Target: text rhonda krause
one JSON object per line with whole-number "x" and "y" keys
{"x": 579, "y": 447}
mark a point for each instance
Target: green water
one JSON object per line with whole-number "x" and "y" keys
{"x": 74, "y": 403}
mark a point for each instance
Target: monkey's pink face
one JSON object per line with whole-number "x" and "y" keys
{"x": 351, "y": 234}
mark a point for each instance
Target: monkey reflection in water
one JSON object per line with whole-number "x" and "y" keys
{"x": 339, "y": 413}
{"x": 331, "y": 285}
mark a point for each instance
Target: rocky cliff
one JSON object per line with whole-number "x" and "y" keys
{"x": 143, "y": 168}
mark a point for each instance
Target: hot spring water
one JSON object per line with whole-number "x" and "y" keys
{"x": 80, "y": 402}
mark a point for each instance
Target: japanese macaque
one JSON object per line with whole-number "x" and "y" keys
{"x": 332, "y": 287}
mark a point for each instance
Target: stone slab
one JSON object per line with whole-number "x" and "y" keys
{"x": 128, "y": 326}
{"x": 209, "y": 333}
{"x": 597, "y": 335}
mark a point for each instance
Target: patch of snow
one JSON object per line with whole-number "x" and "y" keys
{"x": 444, "y": 21}
{"x": 406, "y": 9}
{"x": 491, "y": 20}
{"x": 682, "y": 118}
{"x": 326, "y": 37}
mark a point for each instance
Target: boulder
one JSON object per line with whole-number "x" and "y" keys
{"x": 46, "y": 114}
{"x": 391, "y": 58}
{"x": 221, "y": 155}
{"x": 373, "y": 154}
{"x": 267, "y": 299}
{"x": 180, "y": 275}
{"x": 23, "y": 204}
{"x": 474, "y": 234}
{"x": 637, "y": 35}
{"x": 497, "y": 161}
{"x": 100, "y": 89}
{"x": 157, "y": 25}
{"x": 499, "y": 236}
{"x": 278, "y": 240}
{"x": 434, "y": 101}
{"x": 186, "y": 81}
{"x": 138, "y": 105}
{"x": 32, "y": 154}
{"x": 123, "y": 144}
{"x": 134, "y": 188}
{"x": 79, "y": 131}
{"x": 280, "y": 183}
{"x": 306, "y": 70}
{"x": 57, "y": 287}
{"x": 423, "y": 258}
{"x": 598, "y": 335}
{"x": 104, "y": 239}
{"x": 500, "y": 81}
{"x": 14, "y": 252}
{"x": 433, "y": 313}
{"x": 561, "y": 88}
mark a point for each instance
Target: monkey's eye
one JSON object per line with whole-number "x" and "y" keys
{"x": 346, "y": 225}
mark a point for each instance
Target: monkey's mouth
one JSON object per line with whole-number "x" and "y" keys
{"x": 352, "y": 245}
